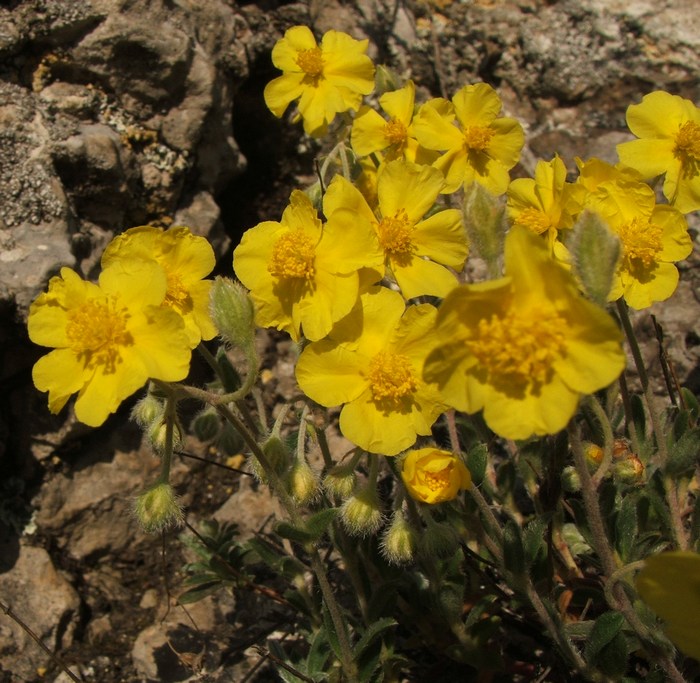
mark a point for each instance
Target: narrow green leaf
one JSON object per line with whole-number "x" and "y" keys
{"x": 691, "y": 403}
{"x": 372, "y": 632}
{"x": 477, "y": 459}
{"x": 683, "y": 454}
{"x": 513, "y": 551}
{"x": 606, "y": 627}
{"x": 318, "y": 652}
{"x": 638, "y": 416}
{"x": 196, "y": 594}
{"x": 626, "y": 526}
{"x": 293, "y": 533}
{"x": 318, "y": 523}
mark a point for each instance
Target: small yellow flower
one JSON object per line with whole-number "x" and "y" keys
{"x": 327, "y": 79}
{"x": 478, "y": 144}
{"x": 372, "y": 362}
{"x": 652, "y": 236}
{"x": 416, "y": 249}
{"x": 670, "y": 584}
{"x": 434, "y": 476}
{"x": 668, "y": 128}
{"x": 524, "y": 347}
{"x": 373, "y": 134}
{"x": 546, "y": 203}
{"x": 304, "y": 276}
{"x": 186, "y": 260}
{"x": 108, "y": 338}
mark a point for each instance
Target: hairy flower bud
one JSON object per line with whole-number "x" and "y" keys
{"x": 438, "y": 540}
{"x": 206, "y": 424}
{"x": 484, "y": 219}
{"x": 233, "y": 312}
{"x": 147, "y": 410}
{"x": 157, "y": 508}
{"x": 340, "y": 481}
{"x": 362, "y": 514}
{"x": 398, "y": 543}
{"x": 570, "y": 480}
{"x": 158, "y": 433}
{"x": 303, "y": 483}
{"x": 628, "y": 470}
{"x": 230, "y": 442}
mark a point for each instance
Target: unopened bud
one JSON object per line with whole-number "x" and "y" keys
{"x": 484, "y": 220}
{"x": 233, "y": 313}
{"x": 147, "y": 410}
{"x": 277, "y": 453}
{"x": 362, "y": 514}
{"x": 158, "y": 508}
{"x": 386, "y": 79}
{"x": 206, "y": 424}
{"x": 593, "y": 454}
{"x": 399, "y": 541}
{"x": 340, "y": 481}
{"x": 570, "y": 480}
{"x": 438, "y": 540}
{"x": 595, "y": 251}
{"x": 628, "y": 470}
{"x": 303, "y": 483}
{"x": 230, "y": 442}
{"x": 158, "y": 435}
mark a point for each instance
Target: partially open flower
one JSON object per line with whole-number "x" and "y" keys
{"x": 434, "y": 476}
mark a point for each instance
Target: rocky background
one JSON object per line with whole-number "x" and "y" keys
{"x": 115, "y": 113}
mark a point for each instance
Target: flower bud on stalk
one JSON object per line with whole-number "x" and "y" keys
{"x": 438, "y": 539}
{"x": 233, "y": 313}
{"x": 361, "y": 514}
{"x": 147, "y": 411}
{"x": 340, "y": 481}
{"x": 158, "y": 508}
{"x": 206, "y": 424}
{"x": 399, "y": 541}
{"x": 303, "y": 483}
{"x": 484, "y": 219}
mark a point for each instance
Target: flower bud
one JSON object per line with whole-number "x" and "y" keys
{"x": 399, "y": 541}
{"x": 593, "y": 454}
{"x": 434, "y": 476}
{"x": 628, "y": 470}
{"x": 570, "y": 480}
{"x": 157, "y": 508}
{"x": 484, "y": 220}
{"x": 340, "y": 481}
{"x": 147, "y": 411}
{"x": 303, "y": 483}
{"x": 438, "y": 540}
{"x": 206, "y": 424}
{"x": 277, "y": 453}
{"x": 386, "y": 79}
{"x": 230, "y": 442}
{"x": 595, "y": 251}
{"x": 361, "y": 514}
{"x": 232, "y": 312}
{"x": 157, "y": 435}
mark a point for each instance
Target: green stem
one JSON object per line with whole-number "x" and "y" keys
{"x": 608, "y": 440}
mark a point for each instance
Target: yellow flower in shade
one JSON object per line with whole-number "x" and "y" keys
{"x": 303, "y": 276}
{"x": 546, "y": 203}
{"x": 393, "y": 137}
{"x": 186, "y": 260}
{"x": 326, "y": 79}
{"x": 372, "y": 362}
{"x": 434, "y": 476}
{"x": 482, "y": 147}
{"x": 652, "y": 236}
{"x": 416, "y": 250}
{"x": 668, "y": 128}
{"x": 524, "y": 347}
{"x": 108, "y": 338}
{"x": 670, "y": 584}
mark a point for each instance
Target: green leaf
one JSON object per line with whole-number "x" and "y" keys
{"x": 626, "y": 526}
{"x": 683, "y": 454}
{"x": 372, "y": 632}
{"x": 579, "y": 630}
{"x": 477, "y": 459}
{"x": 318, "y": 652}
{"x": 534, "y": 539}
{"x": 294, "y": 533}
{"x": 332, "y": 635}
{"x": 612, "y": 659}
{"x": 319, "y": 522}
{"x": 639, "y": 420}
{"x": 201, "y": 591}
{"x": 606, "y": 627}
{"x": 691, "y": 403}
{"x": 513, "y": 551}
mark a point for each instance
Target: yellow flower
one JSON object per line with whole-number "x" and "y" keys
{"x": 416, "y": 250}
{"x": 670, "y": 584}
{"x": 481, "y": 148}
{"x": 186, "y": 259}
{"x": 434, "y": 476}
{"x": 304, "y": 276}
{"x": 545, "y": 204}
{"x": 326, "y": 79}
{"x": 668, "y": 128}
{"x": 108, "y": 338}
{"x": 372, "y": 133}
{"x": 652, "y": 236}
{"x": 372, "y": 362}
{"x": 524, "y": 347}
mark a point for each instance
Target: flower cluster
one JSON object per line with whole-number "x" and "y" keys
{"x": 140, "y": 321}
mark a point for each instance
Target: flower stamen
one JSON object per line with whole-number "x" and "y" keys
{"x": 395, "y": 233}
{"x": 477, "y": 138}
{"x": 311, "y": 62}
{"x": 534, "y": 219}
{"x": 293, "y": 256}
{"x": 391, "y": 377}
{"x": 395, "y": 132}
{"x": 97, "y": 331}
{"x": 641, "y": 241}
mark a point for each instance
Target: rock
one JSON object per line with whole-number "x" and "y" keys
{"x": 45, "y": 601}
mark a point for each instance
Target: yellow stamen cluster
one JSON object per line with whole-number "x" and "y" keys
{"x": 641, "y": 241}
{"x": 437, "y": 481}
{"x": 534, "y": 219}
{"x": 96, "y": 331}
{"x": 395, "y": 233}
{"x": 520, "y": 347}
{"x": 395, "y": 132}
{"x": 293, "y": 256}
{"x": 391, "y": 377}
{"x": 477, "y": 138}
{"x": 311, "y": 62}
{"x": 687, "y": 146}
